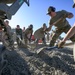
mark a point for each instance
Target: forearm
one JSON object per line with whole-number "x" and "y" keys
{"x": 49, "y": 28}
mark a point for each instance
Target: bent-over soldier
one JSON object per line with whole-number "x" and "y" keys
{"x": 58, "y": 19}
{"x": 27, "y": 34}
{"x": 40, "y": 34}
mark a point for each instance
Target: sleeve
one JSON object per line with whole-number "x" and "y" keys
{"x": 50, "y": 22}
{"x": 65, "y": 13}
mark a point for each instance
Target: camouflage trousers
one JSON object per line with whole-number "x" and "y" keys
{"x": 8, "y": 38}
{"x": 26, "y": 40}
{"x": 58, "y": 32}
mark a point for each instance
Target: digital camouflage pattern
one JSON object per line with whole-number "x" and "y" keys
{"x": 63, "y": 22}
{"x": 19, "y": 31}
{"x": 61, "y": 26}
{"x": 27, "y": 35}
{"x": 39, "y": 33}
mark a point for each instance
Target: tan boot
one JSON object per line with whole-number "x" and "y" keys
{"x": 61, "y": 44}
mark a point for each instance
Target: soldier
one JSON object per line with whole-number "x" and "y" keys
{"x": 69, "y": 34}
{"x": 27, "y": 34}
{"x": 19, "y": 34}
{"x": 8, "y": 33}
{"x": 40, "y": 34}
{"x": 58, "y": 19}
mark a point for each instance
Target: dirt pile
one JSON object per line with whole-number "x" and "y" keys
{"x": 48, "y": 62}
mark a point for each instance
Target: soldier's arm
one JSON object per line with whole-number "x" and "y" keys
{"x": 16, "y": 31}
{"x": 67, "y": 14}
{"x": 26, "y": 35}
{"x": 49, "y": 28}
{"x": 50, "y": 25}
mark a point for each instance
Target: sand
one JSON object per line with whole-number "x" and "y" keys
{"x": 23, "y": 61}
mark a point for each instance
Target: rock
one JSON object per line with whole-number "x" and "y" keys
{"x": 48, "y": 62}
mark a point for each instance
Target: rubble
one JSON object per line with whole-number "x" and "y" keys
{"x": 23, "y": 61}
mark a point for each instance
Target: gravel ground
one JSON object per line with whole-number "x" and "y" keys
{"x": 23, "y": 61}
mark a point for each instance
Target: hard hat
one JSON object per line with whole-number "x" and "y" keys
{"x": 51, "y": 8}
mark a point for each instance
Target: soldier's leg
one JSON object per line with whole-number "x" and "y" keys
{"x": 26, "y": 42}
{"x": 48, "y": 37}
{"x": 73, "y": 38}
{"x": 67, "y": 30}
{"x": 36, "y": 41}
{"x": 4, "y": 39}
{"x": 20, "y": 40}
{"x": 44, "y": 40}
{"x": 17, "y": 40}
{"x": 70, "y": 32}
{"x": 54, "y": 37}
{"x": 11, "y": 38}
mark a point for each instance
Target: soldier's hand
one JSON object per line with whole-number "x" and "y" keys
{"x": 61, "y": 44}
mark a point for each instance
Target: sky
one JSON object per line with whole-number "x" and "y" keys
{"x": 36, "y": 13}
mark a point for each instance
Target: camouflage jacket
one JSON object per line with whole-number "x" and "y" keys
{"x": 63, "y": 22}
{"x": 19, "y": 31}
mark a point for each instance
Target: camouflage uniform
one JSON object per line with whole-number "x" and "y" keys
{"x": 8, "y": 33}
{"x": 27, "y": 34}
{"x": 19, "y": 32}
{"x": 40, "y": 34}
{"x": 61, "y": 26}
